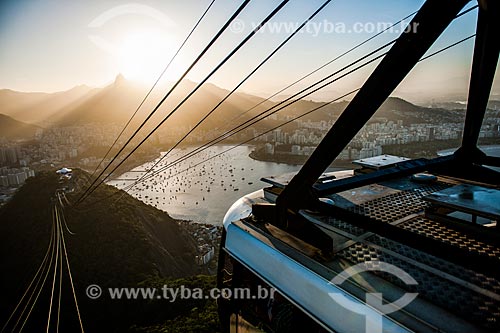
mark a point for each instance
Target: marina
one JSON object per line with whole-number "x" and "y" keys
{"x": 205, "y": 192}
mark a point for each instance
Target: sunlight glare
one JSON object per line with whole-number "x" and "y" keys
{"x": 143, "y": 56}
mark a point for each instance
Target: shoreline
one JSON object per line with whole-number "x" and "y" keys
{"x": 280, "y": 159}
{"x": 346, "y": 164}
{"x": 452, "y": 150}
{"x": 153, "y": 156}
{"x": 186, "y": 196}
{"x": 128, "y": 167}
{"x": 296, "y": 160}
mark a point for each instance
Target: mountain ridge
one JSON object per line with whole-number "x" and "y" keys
{"x": 116, "y": 102}
{"x": 13, "y": 129}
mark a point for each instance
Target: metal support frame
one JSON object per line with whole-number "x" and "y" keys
{"x": 401, "y": 169}
{"x": 425, "y": 28}
{"x": 486, "y": 51}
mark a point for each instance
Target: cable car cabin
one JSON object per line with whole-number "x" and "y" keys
{"x": 397, "y": 245}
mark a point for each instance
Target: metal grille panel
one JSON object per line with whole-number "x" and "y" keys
{"x": 344, "y": 226}
{"x": 445, "y": 234}
{"x": 471, "y": 276}
{"x": 395, "y": 206}
{"x": 464, "y": 302}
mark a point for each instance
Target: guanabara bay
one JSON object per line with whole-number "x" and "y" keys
{"x": 221, "y": 166}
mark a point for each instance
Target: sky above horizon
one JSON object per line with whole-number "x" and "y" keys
{"x": 54, "y": 45}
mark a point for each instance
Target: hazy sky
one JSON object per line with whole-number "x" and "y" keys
{"x": 53, "y": 45}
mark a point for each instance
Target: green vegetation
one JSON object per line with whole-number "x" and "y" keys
{"x": 120, "y": 244}
{"x": 183, "y": 315}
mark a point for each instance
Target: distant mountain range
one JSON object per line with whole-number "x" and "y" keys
{"x": 13, "y": 129}
{"x": 36, "y": 108}
{"x": 462, "y": 105}
{"x": 116, "y": 102}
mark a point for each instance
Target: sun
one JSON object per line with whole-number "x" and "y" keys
{"x": 142, "y": 56}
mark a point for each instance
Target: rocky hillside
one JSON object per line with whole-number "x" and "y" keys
{"x": 115, "y": 244}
